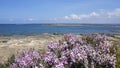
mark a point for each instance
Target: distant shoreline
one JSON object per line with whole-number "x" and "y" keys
{"x": 78, "y": 24}
{"x": 30, "y": 29}
{"x": 62, "y": 24}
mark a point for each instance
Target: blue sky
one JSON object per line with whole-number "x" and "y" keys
{"x": 59, "y": 11}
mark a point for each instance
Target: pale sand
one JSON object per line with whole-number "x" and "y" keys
{"x": 14, "y": 44}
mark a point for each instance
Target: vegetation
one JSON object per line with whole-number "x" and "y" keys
{"x": 90, "y": 51}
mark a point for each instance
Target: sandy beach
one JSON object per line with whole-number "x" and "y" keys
{"x": 13, "y": 44}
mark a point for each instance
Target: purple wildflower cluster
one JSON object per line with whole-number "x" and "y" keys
{"x": 90, "y": 51}
{"x": 27, "y": 59}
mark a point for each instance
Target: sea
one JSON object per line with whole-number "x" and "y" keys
{"x": 28, "y": 29}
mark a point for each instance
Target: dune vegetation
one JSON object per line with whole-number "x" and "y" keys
{"x": 89, "y": 51}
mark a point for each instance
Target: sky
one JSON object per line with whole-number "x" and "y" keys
{"x": 59, "y": 11}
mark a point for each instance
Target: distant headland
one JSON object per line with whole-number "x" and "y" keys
{"x": 62, "y": 24}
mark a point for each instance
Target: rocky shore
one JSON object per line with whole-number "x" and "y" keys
{"x": 14, "y": 44}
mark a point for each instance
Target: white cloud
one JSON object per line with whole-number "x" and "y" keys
{"x": 94, "y": 14}
{"x": 80, "y": 17}
{"x": 32, "y": 19}
{"x": 72, "y": 16}
{"x": 102, "y": 14}
{"x": 115, "y": 13}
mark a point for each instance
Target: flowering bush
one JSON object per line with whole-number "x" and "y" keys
{"x": 27, "y": 59}
{"x": 90, "y": 51}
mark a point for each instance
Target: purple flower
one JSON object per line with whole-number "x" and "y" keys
{"x": 64, "y": 60}
{"x": 14, "y": 65}
{"x": 53, "y": 46}
{"x": 60, "y": 65}
{"x": 92, "y": 49}
{"x": 50, "y": 58}
{"x": 70, "y": 38}
{"x": 27, "y": 59}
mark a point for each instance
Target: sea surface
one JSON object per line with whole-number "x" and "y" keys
{"x": 27, "y": 29}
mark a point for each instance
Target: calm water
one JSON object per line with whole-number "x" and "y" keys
{"x": 38, "y": 29}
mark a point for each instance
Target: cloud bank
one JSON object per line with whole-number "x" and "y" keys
{"x": 81, "y": 17}
{"x": 102, "y": 16}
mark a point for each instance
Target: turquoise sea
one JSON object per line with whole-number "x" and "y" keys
{"x": 26, "y": 29}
